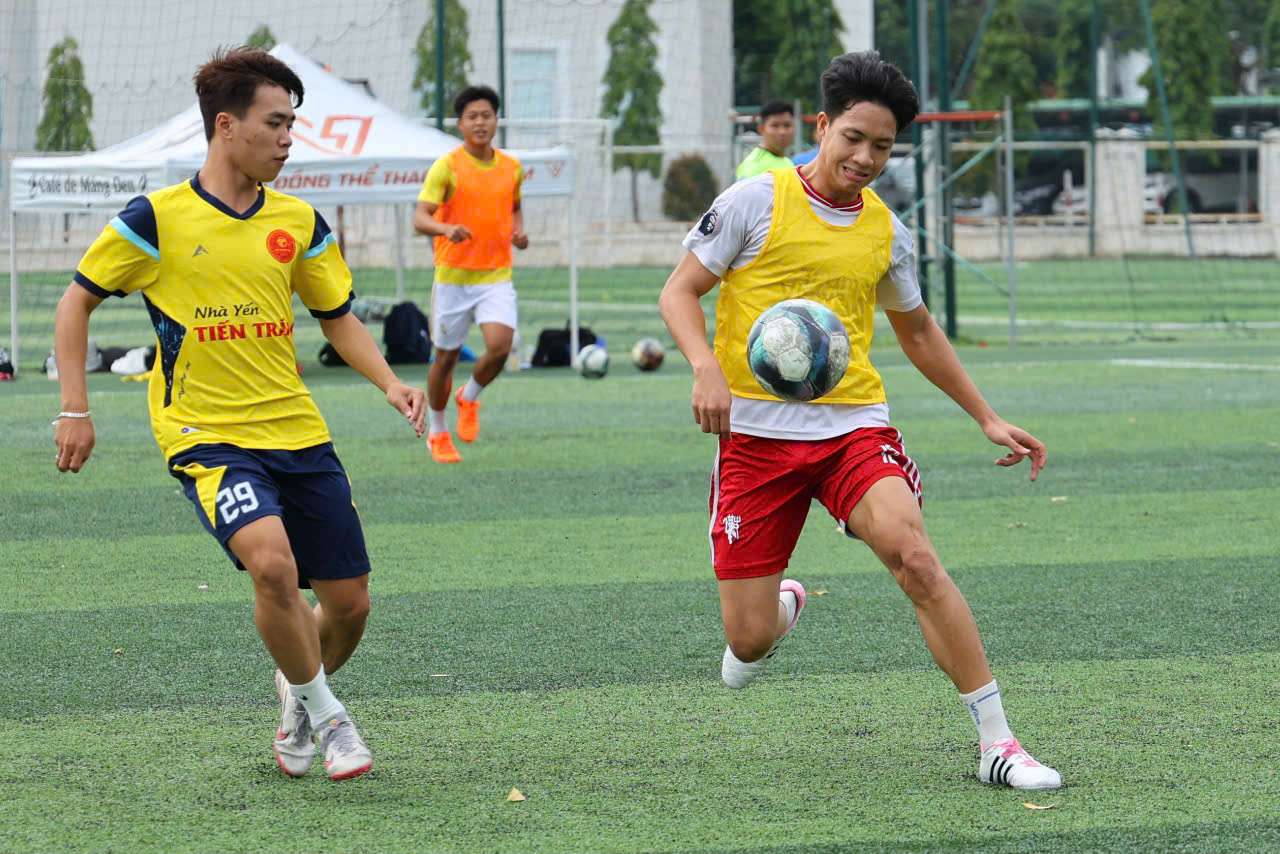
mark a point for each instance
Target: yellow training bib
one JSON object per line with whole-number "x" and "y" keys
{"x": 805, "y": 257}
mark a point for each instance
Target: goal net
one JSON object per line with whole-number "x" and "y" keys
{"x": 554, "y": 61}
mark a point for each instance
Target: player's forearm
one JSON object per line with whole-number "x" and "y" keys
{"x": 682, "y": 312}
{"x": 935, "y": 358}
{"x": 358, "y": 349}
{"x": 70, "y": 343}
{"x": 426, "y": 223}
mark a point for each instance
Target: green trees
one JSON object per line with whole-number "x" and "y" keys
{"x": 457, "y": 58}
{"x": 68, "y": 106}
{"x": 1075, "y": 60}
{"x": 1191, "y": 52}
{"x": 632, "y": 85}
{"x": 811, "y": 38}
{"x": 1271, "y": 38}
{"x": 262, "y": 37}
{"x": 781, "y": 48}
{"x": 689, "y": 188}
{"x": 893, "y": 34}
{"x": 1004, "y": 67}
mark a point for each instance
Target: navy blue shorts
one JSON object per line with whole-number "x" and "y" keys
{"x": 308, "y": 489}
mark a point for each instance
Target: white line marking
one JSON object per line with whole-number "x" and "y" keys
{"x": 1180, "y": 364}
{"x": 1122, "y": 324}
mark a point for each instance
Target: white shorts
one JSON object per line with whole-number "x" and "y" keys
{"x": 455, "y": 307}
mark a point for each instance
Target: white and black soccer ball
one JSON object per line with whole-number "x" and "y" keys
{"x": 798, "y": 350}
{"x": 593, "y": 361}
{"x": 647, "y": 354}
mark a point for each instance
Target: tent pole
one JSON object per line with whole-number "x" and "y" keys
{"x": 13, "y": 291}
{"x": 608, "y": 194}
{"x": 395, "y": 210}
{"x": 573, "y": 283}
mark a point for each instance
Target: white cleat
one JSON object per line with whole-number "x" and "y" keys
{"x": 293, "y": 745}
{"x": 345, "y": 754}
{"x": 1005, "y": 763}
{"x": 740, "y": 674}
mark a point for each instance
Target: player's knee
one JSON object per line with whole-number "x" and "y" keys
{"x": 275, "y": 574}
{"x": 500, "y": 354}
{"x": 918, "y": 570}
{"x": 351, "y": 611}
{"x": 445, "y": 360}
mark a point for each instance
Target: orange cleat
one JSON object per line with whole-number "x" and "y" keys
{"x": 442, "y": 449}
{"x": 468, "y": 418}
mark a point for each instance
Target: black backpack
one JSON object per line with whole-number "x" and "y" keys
{"x": 407, "y": 335}
{"x": 553, "y": 346}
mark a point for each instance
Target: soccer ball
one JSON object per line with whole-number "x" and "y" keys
{"x": 647, "y": 354}
{"x": 798, "y": 350}
{"x": 593, "y": 361}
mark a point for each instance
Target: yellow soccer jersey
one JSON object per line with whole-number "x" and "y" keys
{"x": 219, "y": 287}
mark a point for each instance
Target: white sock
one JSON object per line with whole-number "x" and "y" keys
{"x": 988, "y": 714}
{"x": 789, "y": 601}
{"x": 436, "y": 419}
{"x": 318, "y": 700}
{"x": 472, "y": 391}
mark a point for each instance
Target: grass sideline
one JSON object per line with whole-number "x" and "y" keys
{"x": 544, "y": 618}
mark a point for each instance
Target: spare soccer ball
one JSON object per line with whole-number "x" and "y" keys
{"x": 798, "y": 350}
{"x": 647, "y": 354}
{"x": 593, "y": 361}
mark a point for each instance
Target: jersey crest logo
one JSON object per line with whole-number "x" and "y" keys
{"x": 281, "y": 245}
{"x": 200, "y": 250}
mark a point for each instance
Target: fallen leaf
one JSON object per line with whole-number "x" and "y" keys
{"x": 1274, "y": 444}
{"x": 516, "y": 795}
{"x": 1058, "y": 498}
{"x": 118, "y": 651}
{"x": 1016, "y": 525}
{"x": 819, "y": 593}
{"x": 1133, "y": 421}
{"x": 1039, "y": 807}
{"x": 438, "y": 675}
{"x": 202, "y": 587}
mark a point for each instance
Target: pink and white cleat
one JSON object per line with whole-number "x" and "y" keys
{"x": 1005, "y": 763}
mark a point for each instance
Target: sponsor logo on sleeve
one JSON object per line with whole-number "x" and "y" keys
{"x": 708, "y": 223}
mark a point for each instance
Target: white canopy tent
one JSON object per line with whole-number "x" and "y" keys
{"x": 348, "y": 148}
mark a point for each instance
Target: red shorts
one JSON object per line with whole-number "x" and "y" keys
{"x": 761, "y": 490}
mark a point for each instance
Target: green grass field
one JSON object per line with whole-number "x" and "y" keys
{"x": 545, "y": 618}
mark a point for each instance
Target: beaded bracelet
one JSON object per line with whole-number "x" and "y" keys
{"x": 62, "y": 415}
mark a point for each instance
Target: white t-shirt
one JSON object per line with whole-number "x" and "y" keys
{"x": 731, "y": 235}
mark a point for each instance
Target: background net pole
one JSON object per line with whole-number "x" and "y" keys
{"x": 13, "y": 293}
{"x": 1010, "y": 257}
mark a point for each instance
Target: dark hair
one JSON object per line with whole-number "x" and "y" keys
{"x": 228, "y": 82}
{"x": 856, "y": 77}
{"x": 475, "y": 93}
{"x": 775, "y": 108}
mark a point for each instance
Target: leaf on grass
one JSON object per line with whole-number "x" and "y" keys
{"x": 516, "y": 795}
{"x": 1057, "y": 498}
{"x": 202, "y": 587}
{"x": 1031, "y": 806}
{"x": 438, "y": 675}
{"x": 117, "y": 651}
{"x": 819, "y": 593}
{"x": 1016, "y": 525}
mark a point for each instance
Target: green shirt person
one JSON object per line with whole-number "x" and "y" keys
{"x": 776, "y": 129}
